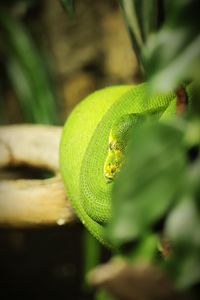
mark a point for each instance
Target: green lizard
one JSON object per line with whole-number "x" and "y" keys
{"x": 93, "y": 142}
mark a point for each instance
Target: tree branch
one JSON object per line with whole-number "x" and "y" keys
{"x": 25, "y": 202}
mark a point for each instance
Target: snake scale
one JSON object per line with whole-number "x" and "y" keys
{"x": 87, "y": 151}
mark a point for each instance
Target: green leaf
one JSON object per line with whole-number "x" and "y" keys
{"x": 146, "y": 249}
{"x": 173, "y": 54}
{"x": 183, "y": 230}
{"x": 130, "y": 8}
{"x": 183, "y": 224}
{"x": 101, "y": 294}
{"x": 149, "y": 13}
{"x": 183, "y": 265}
{"x": 69, "y": 6}
{"x": 149, "y": 181}
{"x": 141, "y": 18}
{"x": 189, "y": 269}
{"x": 27, "y": 73}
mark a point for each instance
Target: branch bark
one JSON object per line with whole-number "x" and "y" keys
{"x": 27, "y": 202}
{"x": 133, "y": 281}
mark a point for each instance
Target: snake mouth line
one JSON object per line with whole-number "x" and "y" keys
{"x": 108, "y": 178}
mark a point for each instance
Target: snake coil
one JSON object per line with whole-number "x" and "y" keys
{"x": 85, "y": 142}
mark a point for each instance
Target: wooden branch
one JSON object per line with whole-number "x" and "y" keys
{"x": 33, "y": 202}
{"x": 128, "y": 281}
{"x": 25, "y": 202}
{"x": 33, "y": 145}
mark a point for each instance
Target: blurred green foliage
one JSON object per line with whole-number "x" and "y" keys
{"x": 27, "y": 72}
{"x": 155, "y": 166}
{"x": 157, "y": 190}
{"x": 173, "y": 53}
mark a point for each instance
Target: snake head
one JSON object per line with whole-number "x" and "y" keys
{"x": 118, "y": 140}
{"x": 113, "y": 161}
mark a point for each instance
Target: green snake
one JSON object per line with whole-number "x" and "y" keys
{"x": 93, "y": 142}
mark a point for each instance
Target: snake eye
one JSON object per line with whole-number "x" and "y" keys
{"x": 112, "y": 145}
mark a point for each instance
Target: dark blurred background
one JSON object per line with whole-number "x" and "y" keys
{"x": 77, "y": 55}
{"x": 82, "y": 54}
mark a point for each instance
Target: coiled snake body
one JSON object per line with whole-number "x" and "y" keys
{"x": 91, "y": 150}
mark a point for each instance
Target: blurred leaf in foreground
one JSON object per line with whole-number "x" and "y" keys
{"x": 173, "y": 54}
{"x": 183, "y": 228}
{"x": 148, "y": 183}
